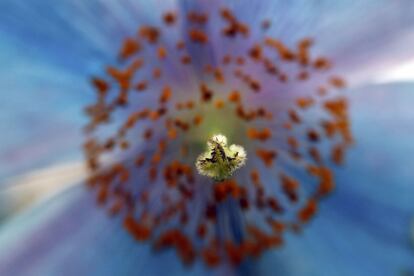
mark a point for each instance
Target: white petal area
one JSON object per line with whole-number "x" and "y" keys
{"x": 32, "y": 189}
{"x": 41, "y": 117}
{"x": 403, "y": 72}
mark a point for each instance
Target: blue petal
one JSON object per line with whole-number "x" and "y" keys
{"x": 70, "y": 235}
{"x": 364, "y": 228}
{"x": 49, "y": 50}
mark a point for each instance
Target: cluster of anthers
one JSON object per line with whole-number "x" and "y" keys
{"x": 164, "y": 99}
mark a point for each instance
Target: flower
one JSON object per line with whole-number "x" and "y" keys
{"x": 281, "y": 102}
{"x": 368, "y": 47}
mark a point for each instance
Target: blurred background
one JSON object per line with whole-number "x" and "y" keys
{"x": 49, "y": 224}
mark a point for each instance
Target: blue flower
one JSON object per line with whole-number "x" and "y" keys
{"x": 51, "y": 52}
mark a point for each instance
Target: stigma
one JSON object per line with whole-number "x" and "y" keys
{"x": 219, "y": 161}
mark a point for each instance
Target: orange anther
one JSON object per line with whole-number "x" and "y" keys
{"x": 322, "y": 63}
{"x": 337, "y": 154}
{"x": 162, "y": 52}
{"x": 169, "y": 18}
{"x": 206, "y": 93}
{"x": 337, "y": 82}
{"x": 129, "y": 48}
{"x": 308, "y": 211}
{"x": 137, "y": 230}
{"x": 261, "y": 135}
{"x": 166, "y": 94}
{"x": 305, "y": 102}
{"x": 256, "y": 52}
{"x": 198, "y": 36}
{"x": 149, "y": 33}
{"x": 267, "y": 156}
{"x": 141, "y": 86}
{"x": 210, "y": 257}
{"x": 219, "y": 103}
{"x": 198, "y": 119}
{"x": 284, "y": 52}
{"x": 234, "y": 96}
{"x": 186, "y": 59}
{"x": 100, "y": 85}
{"x": 290, "y": 187}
